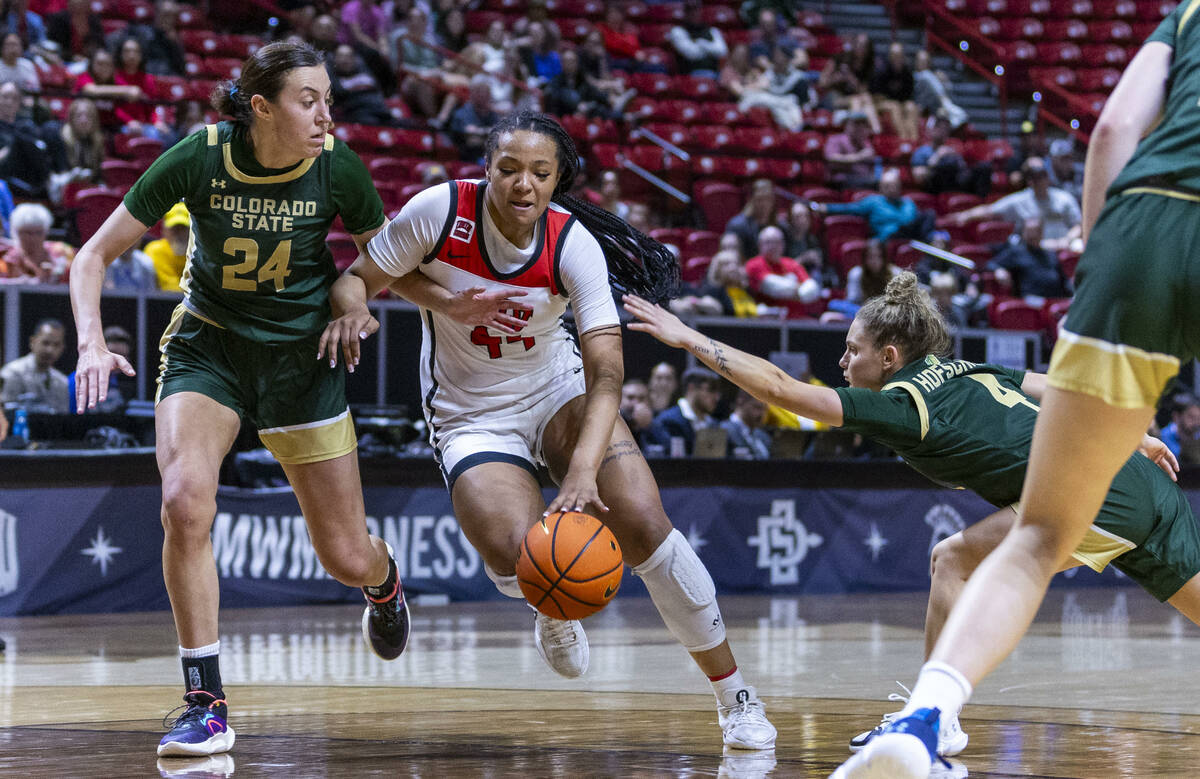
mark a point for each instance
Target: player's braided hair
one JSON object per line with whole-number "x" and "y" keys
{"x": 637, "y": 263}
{"x": 905, "y": 317}
{"x": 263, "y": 73}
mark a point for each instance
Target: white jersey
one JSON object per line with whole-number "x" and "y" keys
{"x": 472, "y": 373}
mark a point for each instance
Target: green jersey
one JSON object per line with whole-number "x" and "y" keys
{"x": 1167, "y": 156}
{"x": 258, "y": 264}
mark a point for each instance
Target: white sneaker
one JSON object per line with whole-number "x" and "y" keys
{"x": 951, "y": 740}
{"x": 743, "y": 721}
{"x": 904, "y": 750}
{"x": 562, "y": 644}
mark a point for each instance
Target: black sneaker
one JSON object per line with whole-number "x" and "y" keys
{"x": 202, "y": 729}
{"x": 385, "y": 620}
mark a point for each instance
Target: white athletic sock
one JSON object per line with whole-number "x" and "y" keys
{"x": 200, "y": 651}
{"x": 726, "y": 687}
{"x": 940, "y": 686}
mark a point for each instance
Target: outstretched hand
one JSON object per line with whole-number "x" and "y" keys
{"x": 490, "y": 308}
{"x": 578, "y": 491}
{"x": 1160, "y": 455}
{"x": 95, "y": 365}
{"x": 657, "y": 321}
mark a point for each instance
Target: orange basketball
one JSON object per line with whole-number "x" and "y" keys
{"x": 570, "y": 565}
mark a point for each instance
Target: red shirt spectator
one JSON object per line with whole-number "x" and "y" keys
{"x": 620, "y": 37}
{"x": 777, "y": 280}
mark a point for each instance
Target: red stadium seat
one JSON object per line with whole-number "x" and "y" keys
{"x": 202, "y": 42}
{"x": 952, "y": 202}
{"x": 980, "y": 254}
{"x": 1059, "y": 52}
{"x": 606, "y": 156}
{"x": 1116, "y": 31}
{"x": 344, "y": 249}
{"x": 390, "y": 169}
{"x": 711, "y": 138}
{"x": 1068, "y": 30}
{"x": 847, "y": 254}
{"x": 697, "y": 88}
{"x": 718, "y": 202}
{"x": 996, "y": 231}
{"x": 701, "y": 242}
{"x": 923, "y": 200}
{"x": 1017, "y": 315}
{"x": 1021, "y": 30}
{"x": 756, "y": 140}
{"x": 672, "y": 235}
{"x": 677, "y": 134}
{"x": 120, "y": 174}
{"x": 1108, "y": 55}
{"x": 695, "y": 268}
{"x": 720, "y": 16}
{"x": 821, "y": 195}
{"x": 783, "y": 172}
{"x": 905, "y": 256}
{"x": 1098, "y": 79}
{"x": 836, "y": 229}
{"x": 93, "y": 206}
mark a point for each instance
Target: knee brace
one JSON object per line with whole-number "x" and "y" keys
{"x": 684, "y": 594}
{"x": 506, "y": 584}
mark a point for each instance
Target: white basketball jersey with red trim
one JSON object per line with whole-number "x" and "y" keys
{"x": 469, "y": 372}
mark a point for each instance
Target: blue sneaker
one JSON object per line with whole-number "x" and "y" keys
{"x": 200, "y": 730}
{"x": 905, "y": 749}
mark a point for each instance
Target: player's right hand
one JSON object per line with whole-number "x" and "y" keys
{"x": 346, "y": 333}
{"x": 96, "y": 364}
{"x": 657, "y": 321}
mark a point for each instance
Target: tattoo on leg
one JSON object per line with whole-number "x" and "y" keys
{"x": 621, "y": 449}
{"x": 719, "y": 357}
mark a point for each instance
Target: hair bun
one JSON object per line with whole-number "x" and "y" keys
{"x": 901, "y": 288}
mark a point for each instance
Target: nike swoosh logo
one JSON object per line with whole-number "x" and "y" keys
{"x": 608, "y": 592}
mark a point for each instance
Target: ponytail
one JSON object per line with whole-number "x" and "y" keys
{"x": 637, "y": 264}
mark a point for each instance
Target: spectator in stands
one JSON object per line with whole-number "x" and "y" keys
{"x": 98, "y": 83}
{"x": 121, "y": 388}
{"x": 635, "y": 410}
{"x": 625, "y": 52}
{"x": 851, "y": 158}
{"x": 417, "y": 64}
{"x": 699, "y": 47}
{"x": 19, "y": 19}
{"x": 1030, "y": 268}
{"x": 788, "y": 75}
{"x": 892, "y": 85}
{"x": 77, "y": 31}
{"x": 133, "y": 271}
{"x": 1064, "y": 172}
{"x": 1058, "y": 210}
{"x": 890, "y": 214}
{"x": 139, "y": 116}
{"x": 692, "y": 412}
{"x": 869, "y": 279}
{"x": 750, "y": 85}
{"x": 364, "y": 25}
{"x": 730, "y": 242}
{"x": 1182, "y": 434}
{"x": 931, "y": 91}
{"x": 777, "y": 280}
{"x": 80, "y": 153}
{"x": 747, "y": 438}
{"x": 470, "y": 124}
{"x": 844, "y": 81}
{"x": 168, "y": 254}
{"x": 33, "y": 257}
{"x": 25, "y": 158}
{"x": 1029, "y": 144}
{"x": 723, "y": 292}
{"x": 357, "y": 97}
{"x": 189, "y": 118}
{"x": 161, "y": 48}
{"x": 610, "y": 194}
{"x": 937, "y": 166}
{"x": 959, "y": 310}
{"x": 664, "y": 383}
{"x": 451, "y": 29}
{"x": 639, "y": 218}
{"x": 323, "y": 35}
{"x": 769, "y": 36}
{"x": 15, "y": 68}
{"x": 593, "y": 61}
{"x": 32, "y": 381}
{"x": 759, "y": 212}
{"x": 510, "y": 90}
{"x": 494, "y": 46}
{"x": 570, "y": 92}
{"x": 805, "y": 248}
{"x": 433, "y": 175}
{"x": 539, "y": 49}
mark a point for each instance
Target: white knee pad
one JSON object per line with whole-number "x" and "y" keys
{"x": 506, "y": 584}
{"x": 684, "y": 593}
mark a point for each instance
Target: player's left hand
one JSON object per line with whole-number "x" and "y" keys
{"x": 346, "y": 333}
{"x": 1160, "y": 455}
{"x": 491, "y": 308}
{"x": 657, "y": 321}
{"x": 577, "y": 492}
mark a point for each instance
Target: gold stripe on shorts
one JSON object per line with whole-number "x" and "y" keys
{"x": 311, "y": 442}
{"x": 1120, "y": 375}
{"x": 172, "y": 328}
{"x": 1100, "y": 547}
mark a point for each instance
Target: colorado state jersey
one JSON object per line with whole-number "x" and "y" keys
{"x": 1167, "y": 155}
{"x": 258, "y": 263}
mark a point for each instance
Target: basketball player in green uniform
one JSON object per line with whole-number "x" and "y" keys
{"x": 262, "y": 191}
{"x": 968, "y": 426}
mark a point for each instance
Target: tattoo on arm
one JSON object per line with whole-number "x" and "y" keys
{"x": 619, "y": 450}
{"x": 719, "y": 357}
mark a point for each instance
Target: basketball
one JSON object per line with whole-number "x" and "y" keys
{"x": 569, "y": 566}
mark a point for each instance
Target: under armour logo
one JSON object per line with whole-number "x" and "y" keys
{"x": 218, "y": 183}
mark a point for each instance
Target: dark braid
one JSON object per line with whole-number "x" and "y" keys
{"x": 637, "y": 263}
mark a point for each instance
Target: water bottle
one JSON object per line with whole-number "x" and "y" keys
{"x": 20, "y": 426}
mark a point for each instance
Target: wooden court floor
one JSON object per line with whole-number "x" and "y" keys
{"x": 1106, "y": 685}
